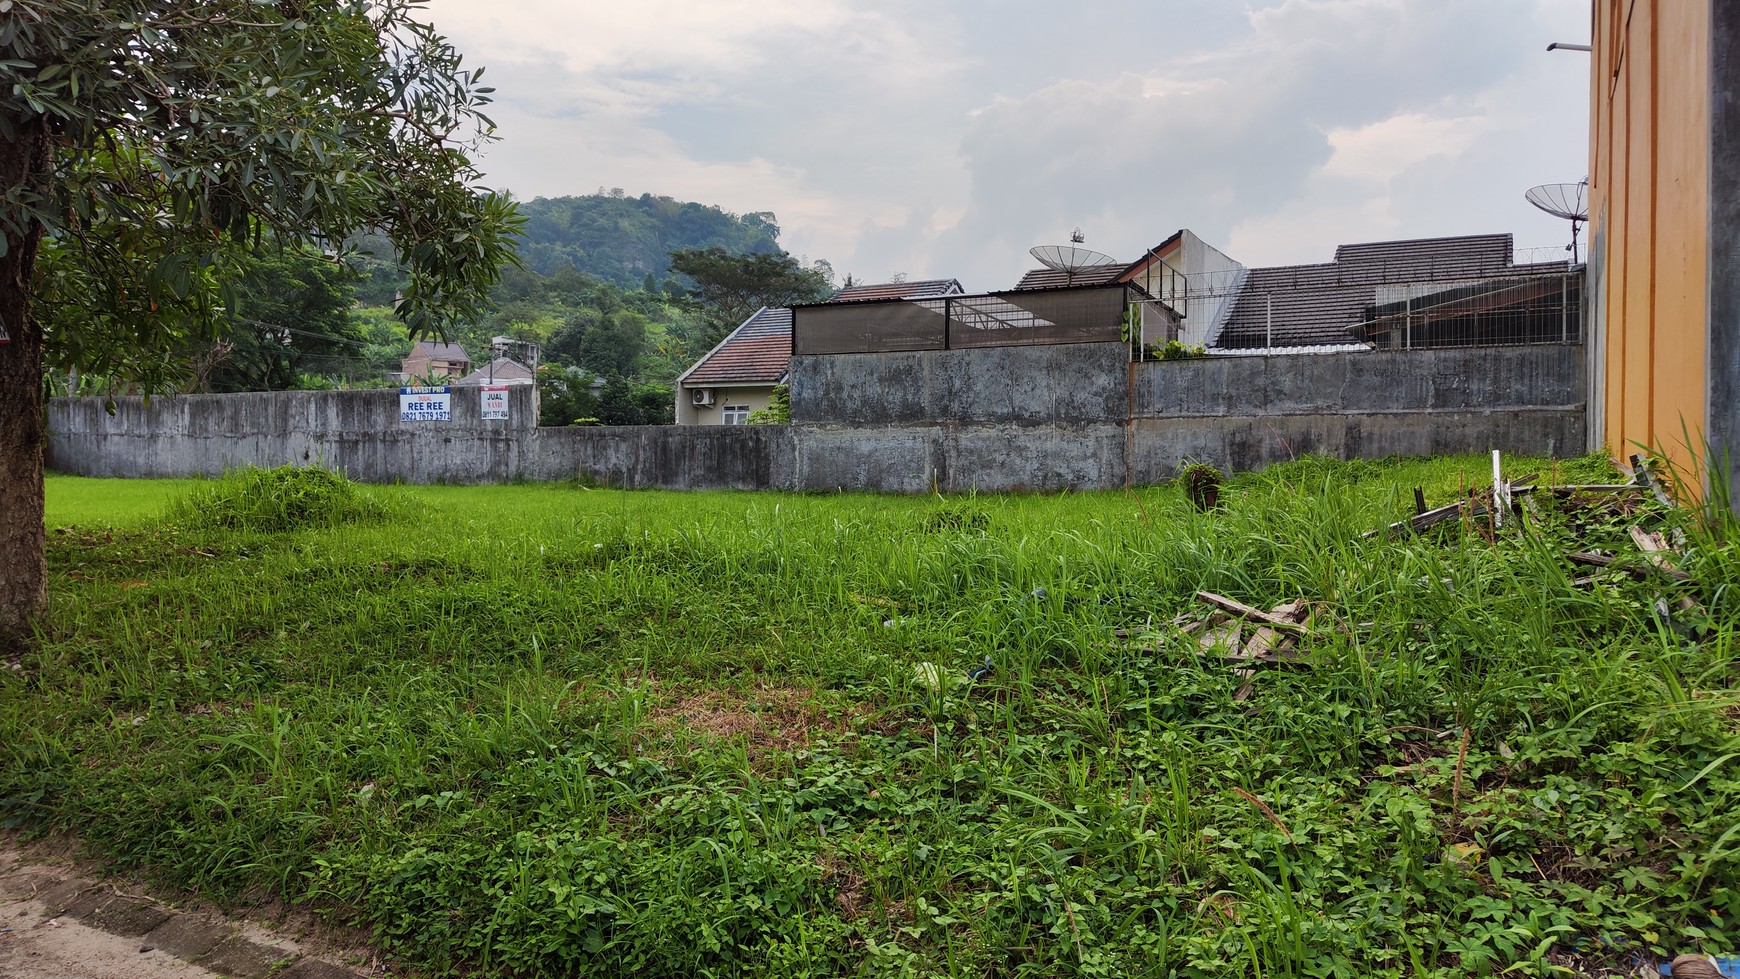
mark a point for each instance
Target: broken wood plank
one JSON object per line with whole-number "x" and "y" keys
{"x": 1593, "y": 560}
{"x": 1244, "y": 691}
{"x": 1224, "y": 637}
{"x": 1568, "y": 489}
{"x": 1269, "y": 646}
{"x": 1654, "y": 547}
{"x": 1430, "y": 518}
{"x": 1244, "y": 611}
{"x": 1419, "y": 501}
{"x": 1261, "y": 644}
{"x": 1647, "y": 479}
{"x": 1500, "y": 491}
{"x": 1293, "y": 611}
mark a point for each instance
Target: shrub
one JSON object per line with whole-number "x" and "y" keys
{"x": 1202, "y": 484}
{"x": 282, "y": 499}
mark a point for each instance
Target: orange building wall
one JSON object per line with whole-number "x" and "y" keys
{"x": 1649, "y": 210}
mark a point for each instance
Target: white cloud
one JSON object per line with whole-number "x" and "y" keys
{"x": 945, "y": 138}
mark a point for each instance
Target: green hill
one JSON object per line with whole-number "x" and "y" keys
{"x": 622, "y": 239}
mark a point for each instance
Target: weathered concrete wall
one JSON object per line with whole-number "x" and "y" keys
{"x": 1080, "y": 415}
{"x": 666, "y": 456}
{"x": 987, "y": 418}
{"x": 1243, "y": 413}
{"x": 1071, "y": 384}
{"x": 359, "y": 433}
{"x": 1002, "y": 418}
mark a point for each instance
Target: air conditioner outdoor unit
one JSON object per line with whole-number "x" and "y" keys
{"x": 701, "y": 396}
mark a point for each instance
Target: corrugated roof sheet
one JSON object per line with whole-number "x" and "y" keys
{"x": 1309, "y": 305}
{"x": 1093, "y": 275}
{"x": 898, "y": 290}
{"x": 756, "y": 352}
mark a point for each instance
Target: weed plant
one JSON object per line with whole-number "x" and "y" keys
{"x": 285, "y": 498}
{"x": 551, "y": 731}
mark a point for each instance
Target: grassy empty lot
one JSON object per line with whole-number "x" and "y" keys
{"x": 547, "y": 730}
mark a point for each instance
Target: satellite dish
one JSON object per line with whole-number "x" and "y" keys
{"x": 1568, "y": 201}
{"x": 1069, "y": 259}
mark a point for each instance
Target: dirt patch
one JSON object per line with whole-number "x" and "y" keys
{"x": 769, "y": 718}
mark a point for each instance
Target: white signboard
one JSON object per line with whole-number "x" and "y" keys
{"x": 495, "y": 402}
{"x": 426, "y": 404}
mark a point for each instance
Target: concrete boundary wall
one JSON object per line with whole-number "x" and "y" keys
{"x": 1040, "y": 418}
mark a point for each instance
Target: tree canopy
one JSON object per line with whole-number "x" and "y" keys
{"x": 624, "y": 240}
{"x": 732, "y": 287}
{"x": 148, "y": 146}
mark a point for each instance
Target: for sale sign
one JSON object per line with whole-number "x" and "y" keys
{"x": 495, "y": 402}
{"x": 426, "y": 404}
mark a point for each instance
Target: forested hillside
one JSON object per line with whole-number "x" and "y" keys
{"x": 622, "y": 239}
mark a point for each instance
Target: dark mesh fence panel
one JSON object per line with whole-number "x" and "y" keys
{"x": 863, "y": 327}
{"x": 1015, "y": 318}
{"x": 997, "y": 320}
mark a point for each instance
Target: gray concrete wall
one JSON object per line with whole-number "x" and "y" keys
{"x": 1037, "y": 418}
{"x": 744, "y": 457}
{"x": 360, "y": 434}
{"x": 1243, "y": 413}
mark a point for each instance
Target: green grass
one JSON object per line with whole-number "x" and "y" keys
{"x": 546, "y": 730}
{"x": 109, "y": 502}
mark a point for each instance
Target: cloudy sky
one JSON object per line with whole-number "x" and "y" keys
{"x": 942, "y": 138}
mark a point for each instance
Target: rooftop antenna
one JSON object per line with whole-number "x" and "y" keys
{"x": 1568, "y": 201}
{"x": 1071, "y": 258}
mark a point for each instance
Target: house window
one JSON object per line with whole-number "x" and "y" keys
{"x": 734, "y": 414}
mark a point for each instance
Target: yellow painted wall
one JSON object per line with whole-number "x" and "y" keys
{"x": 1649, "y": 196}
{"x": 755, "y": 398}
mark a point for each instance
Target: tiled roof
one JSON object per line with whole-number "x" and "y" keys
{"x": 1307, "y": 305}
{"x": 438, "y": 350}
{"x": 756, "y": 352}
{"x": 504, "y": 370}
{"x": 898, "y": 290}
{"x": 1093, "y": 275}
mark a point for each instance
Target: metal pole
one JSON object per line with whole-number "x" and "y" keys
{"x": 1408, "y": 324}
{"x": 1269, "y": 319}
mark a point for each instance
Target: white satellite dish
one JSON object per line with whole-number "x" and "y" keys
{"x": 1069, "y": 259}
{"x": 1568, "y": 201}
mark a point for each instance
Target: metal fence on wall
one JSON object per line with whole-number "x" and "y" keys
{"x": 999, "y": 319}
{"x": 1474, "y": 312}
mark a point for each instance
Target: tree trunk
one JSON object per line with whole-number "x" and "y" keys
{"x": 23, "y": 570}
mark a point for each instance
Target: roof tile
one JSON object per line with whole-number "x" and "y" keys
{"x": 898, "y": 290}
{"x": 1093, "y": 275}
{"x": 756, "y": 352}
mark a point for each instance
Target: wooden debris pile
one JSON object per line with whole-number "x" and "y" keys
{"x": 1245, "y": 635}
{"x": 1656, "y": 557}
{"x": 1503, "y": 501}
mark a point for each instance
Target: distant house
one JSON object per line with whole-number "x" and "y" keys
{"x": 502, "y": 370}
{"x": 434, "y": 358}
{"x": 737, "y": 377}
{"x": 1423, "y": 292}
{"x": 1462, "y": 291}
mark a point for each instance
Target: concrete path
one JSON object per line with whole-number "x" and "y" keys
{"x": 57, "y": 921}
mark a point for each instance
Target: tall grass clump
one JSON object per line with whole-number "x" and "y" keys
{"x": 275, "y": 500}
